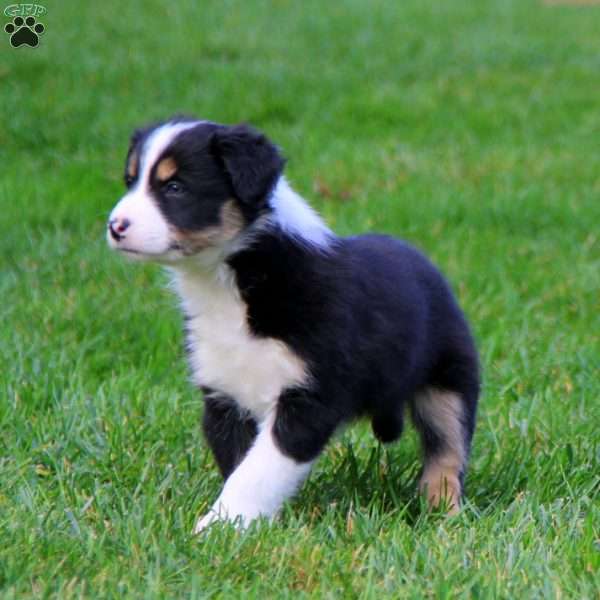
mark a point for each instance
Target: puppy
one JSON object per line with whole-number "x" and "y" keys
{"x": 291, "y": 330}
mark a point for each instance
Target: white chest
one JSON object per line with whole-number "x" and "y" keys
{"x": 224, "y": 354}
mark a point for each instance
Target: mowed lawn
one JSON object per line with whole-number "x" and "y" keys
{"x": 472, "y": 129}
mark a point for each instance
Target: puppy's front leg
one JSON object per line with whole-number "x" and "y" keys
{"x": 259, "y": 485}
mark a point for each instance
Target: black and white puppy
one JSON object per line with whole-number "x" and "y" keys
{"x": 293, "y": 331}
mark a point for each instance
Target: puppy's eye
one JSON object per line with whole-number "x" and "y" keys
{"x": 173, "y": 187}
{"x": 128, "y": 180}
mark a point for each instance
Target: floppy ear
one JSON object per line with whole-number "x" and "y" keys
{"x": 137, "y": 135}
{"x": 141, "y": 132}
{"x": 252, "y": 163}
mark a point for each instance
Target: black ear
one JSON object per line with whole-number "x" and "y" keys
{"x": 137, "y": 135}
{"x": 140, "y": 133}
{"x": 252, "y": 163}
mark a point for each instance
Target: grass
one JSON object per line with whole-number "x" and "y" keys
{"x": 468, "y": 128}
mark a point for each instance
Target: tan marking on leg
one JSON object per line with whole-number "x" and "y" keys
{"x": 441, "y": 484}
{"x": 232, "y": 222}
{"x": 166, "y": 168}
{"x": 132, "y": 165}
{"x": 442, "y": 411}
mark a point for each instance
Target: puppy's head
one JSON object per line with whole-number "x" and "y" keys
{"x": 192, "y": 185}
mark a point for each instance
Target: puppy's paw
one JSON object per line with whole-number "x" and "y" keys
{"x": 203, "y": 522}
{"x": 443, "y": 492}
{"x": 239, "y": 517}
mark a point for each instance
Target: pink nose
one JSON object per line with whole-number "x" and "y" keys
{"x": 117, "y": 228}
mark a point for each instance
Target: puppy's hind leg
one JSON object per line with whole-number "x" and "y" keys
{"x": 443, "y": 419}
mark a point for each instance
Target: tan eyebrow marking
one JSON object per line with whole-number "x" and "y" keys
{"x": 133, "y": 164}
{"x": 166, "y": 168}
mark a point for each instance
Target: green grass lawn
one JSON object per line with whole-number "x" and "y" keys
{"x": 471, "y": 129}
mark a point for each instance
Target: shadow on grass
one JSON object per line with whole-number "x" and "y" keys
{"x": 382, "y": 482}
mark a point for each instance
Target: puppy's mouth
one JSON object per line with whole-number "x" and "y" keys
{"x": 175, "y": 247}
{"x": 173, "y": 253}
{"x": 119, "y": 247}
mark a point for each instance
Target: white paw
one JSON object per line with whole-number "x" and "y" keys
{"x": 240, "y": 517}
{"x": 208, "y": 519}
{"x": 259, "y": 485}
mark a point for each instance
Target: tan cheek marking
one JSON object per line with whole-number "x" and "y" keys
{"x": 132, "y": 166}
{"x": 440, "y": 479}
{"x": 232, "y": 222}
{"x": 166, "y": 168}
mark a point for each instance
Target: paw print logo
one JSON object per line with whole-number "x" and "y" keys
{"x": 24, "y": 31}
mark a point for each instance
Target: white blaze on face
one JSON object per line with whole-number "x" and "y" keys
{"x": 148, "y": 233}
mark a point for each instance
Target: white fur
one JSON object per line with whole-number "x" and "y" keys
{"x": 259, "y": 485}
{"x": 224, "y": 353}
{"x": 156, "y": 144}
{"x": 296, "y": 217}
{"x": 148, "y": 234}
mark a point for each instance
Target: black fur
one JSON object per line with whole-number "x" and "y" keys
{"x": 251, "y": 162}
{"x": 228, "y": 430}
{"x": 199, "y": 176}
{"x": 304, "y": 423}
{"x": 375, "y": 322}
{"x": 215, "y": 163}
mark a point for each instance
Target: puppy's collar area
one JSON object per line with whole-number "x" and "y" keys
{"x": 288, "y": 213}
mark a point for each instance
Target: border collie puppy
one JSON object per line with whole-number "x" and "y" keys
{"x": 293, "y": 331}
